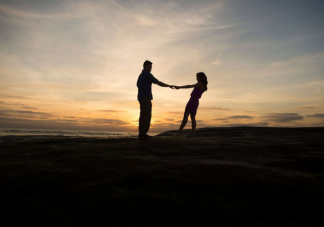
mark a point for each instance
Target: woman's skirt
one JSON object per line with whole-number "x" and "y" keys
{"x": 192, "y": 105}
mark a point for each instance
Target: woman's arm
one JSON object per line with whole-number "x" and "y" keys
{"x": 189, "y": 86}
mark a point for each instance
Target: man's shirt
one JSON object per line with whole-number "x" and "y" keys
{"x": 144, "y": 84}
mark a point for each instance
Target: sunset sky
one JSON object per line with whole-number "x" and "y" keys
{"x": 74, "y": 64}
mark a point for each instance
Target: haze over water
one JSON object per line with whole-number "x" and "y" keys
{"x": 73, "y": 65}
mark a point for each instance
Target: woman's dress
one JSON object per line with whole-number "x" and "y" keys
{"x": 193, "y": 102}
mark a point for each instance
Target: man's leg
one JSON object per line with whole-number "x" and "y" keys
{"x": 145, "y": 115}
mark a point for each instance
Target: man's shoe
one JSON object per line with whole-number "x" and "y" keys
{"x": 144, "y": 136}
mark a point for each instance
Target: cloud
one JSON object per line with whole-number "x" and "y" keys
{"x": 292, "y": 71}
{"x": 103, "y": 121}
{"x": 19, "y": 105}
{"x": 240, "y": 117}
{"x": 213, "y": 108}
{"x": 145, "y": 21}
{"x": 165, "y": 125}
{"x": 28, "y": 107}
{"x": 307, "y": 107}
{"x": 234, "y": 117}
{"x": 28, "y": 15}
{"x": 14, "y": 115}
{"x": 258, "y": 124}
{"x": 67, "y": 120}
{"x": 217, "y": 61}
{"x": 14, "y": 96}
{"x": 283, "y": 117}
{"x": 6, "y": 122}
{"x": 174, "y": 112}
{"x": 196, "y": 20}
{"x": 201, "y": 121}
{"x": 25, "y": 113}
{"x": 112, "y": 111}
{"x": 320, "y": 124}
{"x": 316, "y": 115}
{"x": 299, "y": 63}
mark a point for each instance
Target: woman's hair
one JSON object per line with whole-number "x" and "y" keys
{"x": 203, "y": 78}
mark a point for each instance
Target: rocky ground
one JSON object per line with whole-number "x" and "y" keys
{"x": 222, "y": 177}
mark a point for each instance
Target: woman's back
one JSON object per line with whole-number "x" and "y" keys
{"x": 197, "y": 92}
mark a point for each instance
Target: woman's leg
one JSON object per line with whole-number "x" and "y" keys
{"x": 193, "y": 125}
{"x": 184, "y": 122}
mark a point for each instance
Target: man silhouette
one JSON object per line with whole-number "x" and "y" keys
{"x": 144, "y": 96}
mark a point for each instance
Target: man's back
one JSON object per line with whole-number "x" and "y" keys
{"x": 144, "y": 84}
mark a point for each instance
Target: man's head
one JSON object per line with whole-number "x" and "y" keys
{"x": 147, "y": 65}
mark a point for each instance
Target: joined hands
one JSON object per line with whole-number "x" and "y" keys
{"x": 174, "y": 87}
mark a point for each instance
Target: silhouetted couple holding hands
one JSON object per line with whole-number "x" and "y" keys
{"x": 144, "y": 84}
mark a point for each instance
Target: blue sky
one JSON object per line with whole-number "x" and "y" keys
{"x": 74, "y": 64}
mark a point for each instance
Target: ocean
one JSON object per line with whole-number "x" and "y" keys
{"x": 50, "y": 132}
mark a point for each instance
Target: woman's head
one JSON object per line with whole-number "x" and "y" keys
{"x": 201, "y": 77}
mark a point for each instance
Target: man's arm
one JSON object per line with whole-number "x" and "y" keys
{"x": 161, "y": 84}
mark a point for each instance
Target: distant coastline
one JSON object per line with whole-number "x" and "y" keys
{"x": 76, "y": 133}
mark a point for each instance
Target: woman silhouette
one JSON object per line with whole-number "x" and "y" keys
{"x": 193, "y": 103}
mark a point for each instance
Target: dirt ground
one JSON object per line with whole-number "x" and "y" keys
{"x": 222, "y": 177}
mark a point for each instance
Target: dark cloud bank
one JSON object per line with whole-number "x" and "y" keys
{"x": 283, "y": 117}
